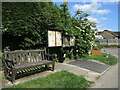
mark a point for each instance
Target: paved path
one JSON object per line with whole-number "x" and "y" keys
{"x": 112, "y": 51}
{"x": 89, "y": 75}
{"x": 110, "y": 78}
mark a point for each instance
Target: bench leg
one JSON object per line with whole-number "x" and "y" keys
{"x": 6, "y": 73}
{"x": 13, "y": 75}
{"x": 46, "y": 66}
{"x": 53, "y": 66}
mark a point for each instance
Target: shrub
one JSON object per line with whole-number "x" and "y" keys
{"x": 97, "y": 47}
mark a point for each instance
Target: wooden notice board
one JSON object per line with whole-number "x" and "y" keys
{"x": 51, "y": 38}
{"x": 54, "y": 38}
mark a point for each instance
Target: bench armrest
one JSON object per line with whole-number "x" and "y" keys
{"x": 51, "y": 57}
{"x": 11, "y": 61}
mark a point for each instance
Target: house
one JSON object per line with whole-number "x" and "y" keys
{"x": 117, "y": 34}
{"x": 106, "y": 34}
{"x": 99, "y": 37}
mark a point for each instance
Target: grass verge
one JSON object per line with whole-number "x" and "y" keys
{"x": 62, "y": 79}
{"x": 104, "y": 58}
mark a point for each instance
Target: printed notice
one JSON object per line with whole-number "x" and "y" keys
{"x": 51, "y": 38}
{"x": 58, "y": 38}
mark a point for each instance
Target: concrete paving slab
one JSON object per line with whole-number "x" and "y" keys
{"x": 89, "y": 75}
{"x": 90, "y": 65}
{"x": 71, "y": 68}
{"x": 92, "y": 76}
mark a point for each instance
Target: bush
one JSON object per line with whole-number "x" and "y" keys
{"x": 97, "y": 47}
{"x": 97, "y": 40}
{"x": 1, "y": 61}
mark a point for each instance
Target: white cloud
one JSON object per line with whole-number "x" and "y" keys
{"x": 93, "y": 7}
{"x": 100, "y": 27}
{"x": 87, "y": 7}
{"x": 103, "y": 18}
{"x": 102, "y": 11}
{"x": 92, "y": 19}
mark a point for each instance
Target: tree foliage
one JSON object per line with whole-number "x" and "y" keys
{"x": 30, "y": 20}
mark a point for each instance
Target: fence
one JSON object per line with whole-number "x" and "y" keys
{"x": 109, "y": 41}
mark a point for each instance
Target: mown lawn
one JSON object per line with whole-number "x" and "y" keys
{"x": 62, "y": 79}
{"x": 104, "y": 58}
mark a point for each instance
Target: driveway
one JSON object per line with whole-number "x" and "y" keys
{"x": 110, "y": 78}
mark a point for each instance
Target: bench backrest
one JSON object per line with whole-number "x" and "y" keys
{"x": 27, "y": 56}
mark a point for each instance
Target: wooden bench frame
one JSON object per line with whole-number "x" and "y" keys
{"x": 13, "y": 63}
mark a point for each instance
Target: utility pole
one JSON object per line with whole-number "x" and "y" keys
{"x": 66, "y": 1}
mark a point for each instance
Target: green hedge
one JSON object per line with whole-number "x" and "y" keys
{"x": 110, "y": 46}
{"x": 98, "y": 46}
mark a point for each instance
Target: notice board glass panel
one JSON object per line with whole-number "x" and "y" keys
{"x": 72, "y": 42}
{"x": 51, "y": 38}
{"x": 66, "y": 42}
{"x": 58, "y": 38}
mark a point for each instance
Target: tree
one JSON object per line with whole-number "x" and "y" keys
{"x": 84, "y": 33}
{"x": 66, "y": 19}
{"x": 29, "y": 21}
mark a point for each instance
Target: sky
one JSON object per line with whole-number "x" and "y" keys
{"x": 105, "y": 14}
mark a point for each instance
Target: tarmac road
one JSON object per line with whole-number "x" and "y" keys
{"x": 110, "y": 78}
{"x": 112, "y": 51}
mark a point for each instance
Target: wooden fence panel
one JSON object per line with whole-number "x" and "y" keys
{"x": 109, "y": 41}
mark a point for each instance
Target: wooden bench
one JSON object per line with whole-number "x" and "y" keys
{"x": 18, "y": 61}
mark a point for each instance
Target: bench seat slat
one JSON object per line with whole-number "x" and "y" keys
{"x": 34, "y": 64}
